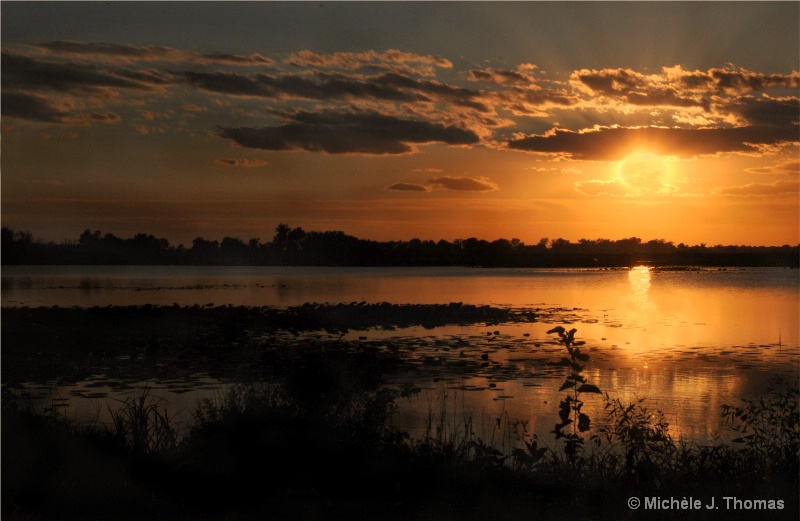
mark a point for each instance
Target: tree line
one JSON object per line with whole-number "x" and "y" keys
{"x": 295, "y": 246}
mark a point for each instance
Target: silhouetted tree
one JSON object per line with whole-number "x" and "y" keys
{"x": 292, "y": 246}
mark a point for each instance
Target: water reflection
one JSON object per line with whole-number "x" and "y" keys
{"x": 639, "y": 279}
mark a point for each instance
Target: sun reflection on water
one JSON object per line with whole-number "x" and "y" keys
{"x": 639, "y": 279}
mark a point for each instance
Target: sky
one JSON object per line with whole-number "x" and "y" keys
{"x": 400, "y": 120}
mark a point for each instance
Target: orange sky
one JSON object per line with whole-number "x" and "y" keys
{"x": 391, "y": 121}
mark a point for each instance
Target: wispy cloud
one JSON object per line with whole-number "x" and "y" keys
{"x": 762, "y": 189}
{"x": 786, "y": 167}
{"x": 600, "y": 187}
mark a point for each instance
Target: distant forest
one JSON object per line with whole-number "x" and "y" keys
{"x": 297, "y": 247}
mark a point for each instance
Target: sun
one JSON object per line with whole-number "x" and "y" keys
{"x": 645, "y": 173}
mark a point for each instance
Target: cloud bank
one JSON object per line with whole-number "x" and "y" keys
{"x": 392, "y": 102}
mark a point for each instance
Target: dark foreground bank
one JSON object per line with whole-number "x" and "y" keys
{"x": 312, "y": 435}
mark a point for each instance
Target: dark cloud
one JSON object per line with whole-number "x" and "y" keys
{"x": 59, "y": 92}
{"x": 610, "y": 81}
{"x": 241, "y": 163}
{"x": 232, "y": 83}
{"x": 741, "y": 80}
{"x": 23, "y": 73}
{"x": 335, "y": 86}
{"x": 32, "y": 108}
{"x": 622, "y": 82}
{"x": 129, "y": 53}
{"x": 38, "y": 109}
{"x": 612, "y": 143}
{"x": 358, "y": 132}
{"x": 766, "y": 111}
{"x": 465, "y": 184}
{"x": 675, "y": 87}
{"x": 500, "y": 76}
{"x": 636, "y": 88}
{"x": 407, "y": 187}
{"x": 96, "y": 117}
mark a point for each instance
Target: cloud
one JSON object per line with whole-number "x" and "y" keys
{"x": 761, "y": 189}
{"x": 151, "y": 115}
{"x": 465, "y": 184}
{"x": 32, "y": 108}
{"x": 613, "y": 143}
{"x": 742, "y": 80}
{"x": 634, "y": 88}
{"x": 677, "y": 86}
{"x": 621, "y": 188}
{"x": 67, "y": 93}
{"x": 20, "y": 73}
{"x": 765, "y": 111}
{"x": 146, "y": 130}
{"x": 392, "y": 59}
{"x": 387, "y": 102}
{"x": 331, "y": 86}
{"x": 786, "y": 167}
{"x": 241, "y": 163}
{"x": 501, "y": 76}
{"x": 41, "y": 110}
{"x": 131, "y": 54}
{"x": 533, "y": 101}
{"x": 348, "y": 132}
{"x": 407, "y": 187}
{"x": 597, "y": 187}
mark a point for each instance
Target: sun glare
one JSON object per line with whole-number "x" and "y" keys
{"x": 645, "y": 173}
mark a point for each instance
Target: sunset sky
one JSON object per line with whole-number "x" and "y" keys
{"x": 394, "y": 120}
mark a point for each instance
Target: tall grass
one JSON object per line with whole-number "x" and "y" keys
{"x": 143, "y": 425}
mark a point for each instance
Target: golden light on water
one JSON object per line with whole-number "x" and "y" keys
{"x": 639, "y": 279}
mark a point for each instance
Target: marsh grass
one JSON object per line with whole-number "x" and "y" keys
{"x": 142, "y": 424}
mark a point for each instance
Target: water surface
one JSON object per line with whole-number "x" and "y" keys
{"x": 689, "y": 341}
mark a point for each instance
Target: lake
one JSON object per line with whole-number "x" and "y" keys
{"x": 689, "y": 341}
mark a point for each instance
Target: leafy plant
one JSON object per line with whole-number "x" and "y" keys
{"x": 573, "y": 421}
{"x": 769, "y": 426}
{"x": 532, "y": 455}
{"x": 643, "y": 436}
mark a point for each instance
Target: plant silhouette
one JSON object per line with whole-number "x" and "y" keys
{"x": 573, "y": 422}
